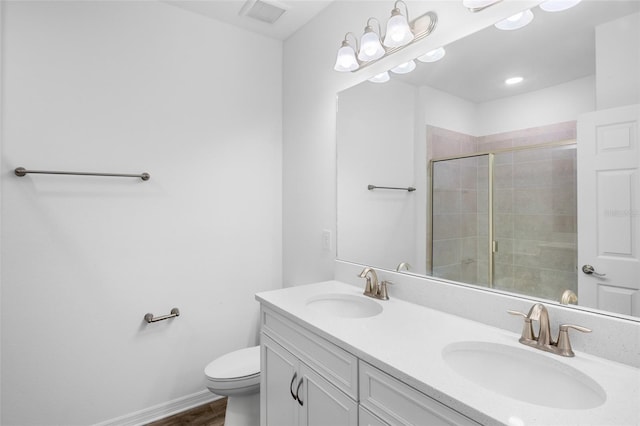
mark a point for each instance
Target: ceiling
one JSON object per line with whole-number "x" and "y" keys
{"x": 298, "y": 13}
{"x": 555, "y": 48}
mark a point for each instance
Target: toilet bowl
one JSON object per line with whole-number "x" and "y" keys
{"x": 236, "y": 375}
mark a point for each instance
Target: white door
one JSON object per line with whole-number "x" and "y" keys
{"x": 609, "y": 210}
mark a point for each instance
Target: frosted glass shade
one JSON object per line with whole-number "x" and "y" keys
{"x": 398, "y": 31}
{"x": 346, "y": 59}
{"x": 433, "y": 55}
{"x": 370, "y": 47}
{"x": 383, "y": 77}
{"x": 516, "y": 21}
{"x": 405, "y": 68}
{"x": 558, "y": 5}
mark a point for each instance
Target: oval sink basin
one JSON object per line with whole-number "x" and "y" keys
{"x": 345, "y": 305}
{"x": 522, "y": 374}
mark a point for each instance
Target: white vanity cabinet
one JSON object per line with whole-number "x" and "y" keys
{"x": 307, "y": 380}
{"x": 396, "y": 403}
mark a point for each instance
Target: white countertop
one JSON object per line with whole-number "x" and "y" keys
{"x": 407, "y": 340}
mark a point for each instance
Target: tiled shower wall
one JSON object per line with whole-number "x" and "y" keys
{"x": 534, "y": 210}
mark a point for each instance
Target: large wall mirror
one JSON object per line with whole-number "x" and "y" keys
{"x": 529, "y": 188}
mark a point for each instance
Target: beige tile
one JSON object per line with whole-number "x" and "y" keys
{"x": 533, "y": 174}
{"x": 446, "y": 201}
{"x": 533, "y": 201}
{"x": 503, "y": 226}
{"x": 503, "y": 201}
{"x": 469, "y": 202}
{"x": 446, "y": 226}
{"x": 446, "y": 252}
{"x": 468, "y": 225}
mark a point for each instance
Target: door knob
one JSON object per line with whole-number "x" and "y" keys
{"x": 589, "y": 270}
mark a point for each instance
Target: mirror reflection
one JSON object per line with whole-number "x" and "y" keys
{"x": 509, "y": 192}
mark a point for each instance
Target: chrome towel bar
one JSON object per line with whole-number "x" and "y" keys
{"x": 149, "y": 318}
{"x": 21, "y": 171}
{"x": 372, "y": 187}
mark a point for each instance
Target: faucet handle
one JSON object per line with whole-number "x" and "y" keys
{"x": 527, "y": 328}
{"x": 382, "y": 290}
{"x": 564, "y": 345}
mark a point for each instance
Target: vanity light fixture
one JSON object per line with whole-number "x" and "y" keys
{"x": 558, "y": 5}
{"x": 516, "y": 21}
{"x": 432, "y": 55}
{"x": 405, "y": 68}
{"x": 346, "y": 59}
{"x": 370, "y": 46}
{"x": 374, "y": 45}
{"x": 478, "y": 5}
{"x": 383, "y": 77}
{"x": 513, "y": 80}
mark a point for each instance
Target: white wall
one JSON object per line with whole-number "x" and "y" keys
{"x": 132, "y": 87}
{"x": 555, "y": 104}
{"x": 375, "y": 132}
{"x": 618, "y": 62}
{"x": 310, "y": 87}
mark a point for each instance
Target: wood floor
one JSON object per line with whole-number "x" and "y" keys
{"x": 211, "y": 414}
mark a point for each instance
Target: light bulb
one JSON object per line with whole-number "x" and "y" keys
{"x": 513, "y": 80}
{"x": 370, "y": 47}
{"x": 405, "y": 68}
{"x": 383, "y": 77}
{"x": 433, "y": 55}
{"x": 516, "y": 21}
{"x": 346, "y": 59}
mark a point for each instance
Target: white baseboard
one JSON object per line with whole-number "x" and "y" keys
{"x": 160, "y": 411}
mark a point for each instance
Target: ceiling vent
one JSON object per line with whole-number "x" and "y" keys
{"x": 265, "y": 11}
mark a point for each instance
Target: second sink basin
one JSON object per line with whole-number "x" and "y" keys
{"x": 522, "y": 374}
{"x": 345, "y": 305}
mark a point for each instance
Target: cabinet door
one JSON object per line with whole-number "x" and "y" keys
{"x": 278, "y": 380}
{"x": 322, "y": 404}
{"x": 365, "y": 418}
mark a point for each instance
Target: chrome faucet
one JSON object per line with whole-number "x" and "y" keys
{"x": 403, "y": 265}
{"x": 372, "y": 287}
{"x": 543, "y": 341}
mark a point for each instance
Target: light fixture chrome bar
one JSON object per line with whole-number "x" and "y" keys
{"x": 21, "y": 171}
{"x": 372, "y": 187}
{"x": 422, "y": 26}
{"x": 149, "y": 318}
{"x": 482, "y": 7}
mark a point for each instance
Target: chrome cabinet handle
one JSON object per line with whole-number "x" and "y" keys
{"x": 589, "y": 270}
{"x": 293, "y": 379}
{"x": 298, "y": 391}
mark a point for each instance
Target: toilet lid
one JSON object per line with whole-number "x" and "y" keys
{"x": 240, "y": 363}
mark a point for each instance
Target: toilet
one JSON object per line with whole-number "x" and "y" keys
{"x": 236, "y": 375}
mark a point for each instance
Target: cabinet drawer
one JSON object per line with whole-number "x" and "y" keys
{"x": 335, "y": 364}
{"x": 397, "y": 403}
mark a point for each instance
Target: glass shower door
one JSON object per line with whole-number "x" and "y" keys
{"x": 534, "y": 221}
{"x": 459, "y": 212}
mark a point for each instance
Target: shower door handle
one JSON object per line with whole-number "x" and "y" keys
{"x": 589, "y": 270}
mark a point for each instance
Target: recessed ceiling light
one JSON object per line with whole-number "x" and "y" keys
{"x": 558, "y": 5}
{"x": 516, "y": 21}
{"x": 513, "y": 80}
{"x": 433, "y": 55}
